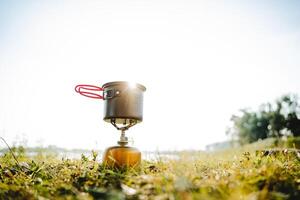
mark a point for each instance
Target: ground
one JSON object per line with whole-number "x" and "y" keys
{"x": 240, "y": 173}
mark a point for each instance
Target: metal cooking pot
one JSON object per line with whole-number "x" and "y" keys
{"x": 123, "y": 101}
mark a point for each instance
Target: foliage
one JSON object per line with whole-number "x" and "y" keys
{"x": 279, "y": 119}
{"x": 242, "y": 173}
{"x": 289, "y": 142}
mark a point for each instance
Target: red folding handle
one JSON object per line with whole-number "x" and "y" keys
{"x": 85, "y": 90}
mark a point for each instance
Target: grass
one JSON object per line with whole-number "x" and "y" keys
{"x": 240, "y": 173}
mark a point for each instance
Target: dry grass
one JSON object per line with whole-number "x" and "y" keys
{"x": 240, "y": 173}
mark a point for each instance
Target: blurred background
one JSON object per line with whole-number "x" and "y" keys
{"x": 201, "y": 61}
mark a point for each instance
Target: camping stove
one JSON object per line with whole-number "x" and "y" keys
{"x": 123, "y": 108}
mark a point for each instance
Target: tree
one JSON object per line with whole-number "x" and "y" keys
{"x": 250, "y": 127}
{"x": 271, "y": 120}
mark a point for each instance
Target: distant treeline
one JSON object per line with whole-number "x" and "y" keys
{"x": 50, "y": 149}
{"x": 281, "y": 118}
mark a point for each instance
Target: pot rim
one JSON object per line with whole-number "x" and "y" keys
{"x": 140, "y": 86}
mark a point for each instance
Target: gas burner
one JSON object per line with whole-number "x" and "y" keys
{"x": 123, "y": 108}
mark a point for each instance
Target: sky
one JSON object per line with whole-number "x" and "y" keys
{"x": 201, "y": 61}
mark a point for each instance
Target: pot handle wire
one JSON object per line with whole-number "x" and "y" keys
{"x": 87, "y": 90}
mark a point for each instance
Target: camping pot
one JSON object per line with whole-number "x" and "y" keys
{"x": 123, "y": 101}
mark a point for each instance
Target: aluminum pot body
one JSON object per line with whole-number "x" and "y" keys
{"x": 123, "y": 101}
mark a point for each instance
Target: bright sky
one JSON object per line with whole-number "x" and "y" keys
{"x": 201, "y": 61}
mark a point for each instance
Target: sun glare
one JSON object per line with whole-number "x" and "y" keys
{"x": 132, "y": 85}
